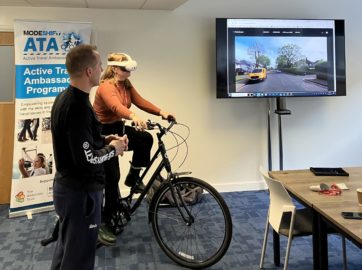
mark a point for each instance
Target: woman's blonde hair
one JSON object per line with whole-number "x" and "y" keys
{"x": 108, "y": 74}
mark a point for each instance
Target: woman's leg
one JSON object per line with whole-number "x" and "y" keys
{"x": 140, "y": 142}
{"x": 111, "y": 189}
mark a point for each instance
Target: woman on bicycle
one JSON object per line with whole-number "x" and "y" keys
{"x": 112, "y": 104}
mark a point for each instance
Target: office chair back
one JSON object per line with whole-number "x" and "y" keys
{"x": 280, "y": 201}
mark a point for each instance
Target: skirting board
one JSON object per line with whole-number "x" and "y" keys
{"x": 224, "y": 187}
{"x": 242, "y": 186}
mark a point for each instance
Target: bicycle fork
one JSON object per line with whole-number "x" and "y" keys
{"x": 187, "y": 217}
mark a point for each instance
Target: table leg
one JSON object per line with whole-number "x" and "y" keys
{"x": 316, "y": 258}
{"x": 320, "y": 245}
{"x": 276, "y": 248}
{"x": 323, "y": 244}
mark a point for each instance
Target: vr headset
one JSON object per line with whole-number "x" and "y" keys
{"x": 128, "y": 65}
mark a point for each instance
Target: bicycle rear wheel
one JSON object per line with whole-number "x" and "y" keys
{"x": 203, "y": 238}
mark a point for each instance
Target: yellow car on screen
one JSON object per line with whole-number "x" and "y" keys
{"x": 258, "y": 74}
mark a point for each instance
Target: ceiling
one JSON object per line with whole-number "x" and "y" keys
{"x": 101, "y": 4}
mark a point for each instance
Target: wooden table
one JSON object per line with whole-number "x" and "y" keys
{"x": 326, "y": 209}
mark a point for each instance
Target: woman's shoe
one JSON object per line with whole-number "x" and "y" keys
{"x": 134, "y": 181}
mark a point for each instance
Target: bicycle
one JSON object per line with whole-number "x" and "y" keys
{"x": 194, "y": 235}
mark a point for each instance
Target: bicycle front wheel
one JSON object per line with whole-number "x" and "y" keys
{"x": 196, "y": 234}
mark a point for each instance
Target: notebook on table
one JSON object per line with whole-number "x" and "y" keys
{"x": 324, "y": 171}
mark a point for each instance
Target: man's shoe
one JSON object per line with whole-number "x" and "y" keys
{"x": 134, "y": 182}
{"x": 106, "y": 237}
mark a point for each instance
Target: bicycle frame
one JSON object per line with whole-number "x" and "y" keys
{"x": 164, "y": 163}
{"x": 175, "y": 222}
{"x": 160, "y": 167}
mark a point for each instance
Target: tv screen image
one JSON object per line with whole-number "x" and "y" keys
{"x": 280, "y": 58}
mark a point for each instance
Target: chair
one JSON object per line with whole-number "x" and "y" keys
{"x": 286, "y": 219}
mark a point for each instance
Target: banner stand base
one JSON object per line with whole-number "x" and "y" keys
{"x": 30, "y": 213}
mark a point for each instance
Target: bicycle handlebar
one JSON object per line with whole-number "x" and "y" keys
{"x": 152, "y": 125}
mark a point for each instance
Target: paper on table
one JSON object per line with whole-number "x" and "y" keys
{"x": 342, "y": 186}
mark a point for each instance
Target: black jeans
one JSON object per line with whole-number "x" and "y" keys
{"x": 79, "y": 219}
{"x": 140, "y": 142}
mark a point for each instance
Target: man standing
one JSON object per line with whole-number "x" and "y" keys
{"x": 79, "y": 151}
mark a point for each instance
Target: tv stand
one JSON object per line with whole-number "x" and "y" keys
{"x": 280, "y": 110}
{"x": 281, "y": 107}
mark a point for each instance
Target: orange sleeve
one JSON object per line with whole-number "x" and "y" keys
{"x": 143, "y": 104}
{"x": 112, "y": 100}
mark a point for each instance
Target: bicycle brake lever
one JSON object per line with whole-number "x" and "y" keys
{"x": 170, "y": 119}
{"x": 150, "y": 125}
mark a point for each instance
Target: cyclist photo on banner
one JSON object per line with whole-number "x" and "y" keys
{"x": 70, "y": 40}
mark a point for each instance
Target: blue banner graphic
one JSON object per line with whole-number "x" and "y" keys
{"x": 40, "y": 51}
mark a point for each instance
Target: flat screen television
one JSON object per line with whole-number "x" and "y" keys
{"x": 280, "y": 58}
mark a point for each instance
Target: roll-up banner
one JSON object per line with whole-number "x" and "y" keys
{"x": 40, "y": 51}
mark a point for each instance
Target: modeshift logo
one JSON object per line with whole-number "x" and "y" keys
{"x": 39, "y": 41}
{"x": 50, "y": 42}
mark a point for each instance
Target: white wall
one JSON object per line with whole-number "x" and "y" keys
{"x": 176, "y": 55}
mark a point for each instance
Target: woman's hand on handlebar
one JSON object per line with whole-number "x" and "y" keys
{"x": 139, "y": 123}
{"x": 167, "y": 116}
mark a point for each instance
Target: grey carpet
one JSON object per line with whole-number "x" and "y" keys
{"x": 137, "y": 248}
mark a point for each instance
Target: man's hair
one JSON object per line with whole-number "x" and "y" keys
{"x": 79, "y": 58}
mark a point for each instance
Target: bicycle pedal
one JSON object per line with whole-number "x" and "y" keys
{"x": 46, "y": 242}
{"x": 119, "y": 230}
